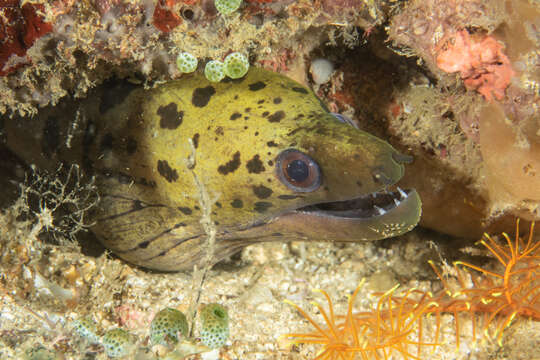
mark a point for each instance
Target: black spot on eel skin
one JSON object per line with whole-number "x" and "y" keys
{"x": 262, "y": 206}
{"x": 237, "y": 204}
{"x": 277, "y": 116}
{"x": 259, "y": 85}
{"x": 299, "y": 90}
{"x": 235, "y": 116}
{"x": 195, "y": 140}
{"x": 170, "y": 117}
{"x": 185, "y": 210}
{"x": 201, "y": 96}
{"x": 166, "y": 171}
{"x": 231, "y": 165}
{"x": 255, "y": 165}
{"x": 262, "y": 192}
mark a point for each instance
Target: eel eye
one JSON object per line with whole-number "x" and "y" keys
{"x": 298, "y": 171}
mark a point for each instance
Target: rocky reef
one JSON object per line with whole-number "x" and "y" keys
{"x": 484, "y": 58}
{"x": 464, "y": 96}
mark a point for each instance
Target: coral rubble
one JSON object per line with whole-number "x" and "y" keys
{"x": 88, "y": 41}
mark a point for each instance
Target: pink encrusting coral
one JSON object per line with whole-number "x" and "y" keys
{"x": 480, "y": 60}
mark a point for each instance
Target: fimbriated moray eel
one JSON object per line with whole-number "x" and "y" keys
{"x": 281, "y": 166}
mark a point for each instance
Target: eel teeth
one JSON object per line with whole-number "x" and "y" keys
{"x": 402, "y": 193}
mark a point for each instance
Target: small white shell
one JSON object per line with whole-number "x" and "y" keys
{"x": 321, "y": 69}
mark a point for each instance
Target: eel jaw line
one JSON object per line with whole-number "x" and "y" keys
{"x": 373, "y": 205}
{"x": 375, "y": 216}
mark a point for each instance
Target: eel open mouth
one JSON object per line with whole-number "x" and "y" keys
{"x": 374, "y": 216}
{"x": 370, "y": 217}
{"x": 368, "y": 206}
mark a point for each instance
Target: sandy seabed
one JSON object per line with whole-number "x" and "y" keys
{"x": 40, "y": 300}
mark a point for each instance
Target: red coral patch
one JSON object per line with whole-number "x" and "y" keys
{"x": 164, "y": 17}
{"x": 19, "y": 29}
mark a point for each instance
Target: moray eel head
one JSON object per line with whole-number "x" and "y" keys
{"x": 339, "y": 184}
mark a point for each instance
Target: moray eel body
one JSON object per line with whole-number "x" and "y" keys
{"x": 278, "y": 165}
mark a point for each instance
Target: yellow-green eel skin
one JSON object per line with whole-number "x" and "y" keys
{"x": 138, "y": 143}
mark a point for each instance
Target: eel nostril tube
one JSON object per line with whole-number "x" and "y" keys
{"x": 402, "y": 158}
